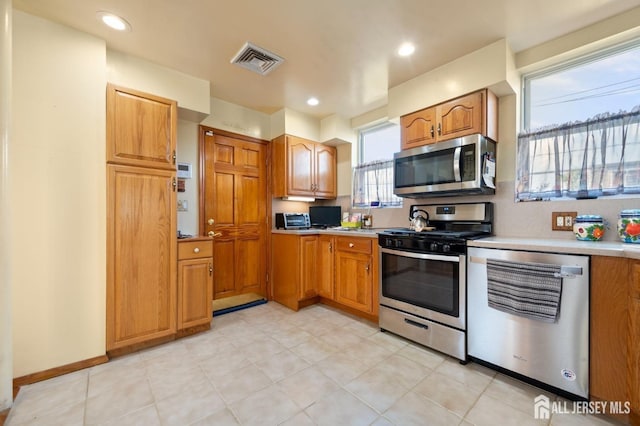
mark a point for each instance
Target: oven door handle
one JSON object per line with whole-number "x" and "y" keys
{"x": 425, "y": 256}
{"x": 416, "y": 324}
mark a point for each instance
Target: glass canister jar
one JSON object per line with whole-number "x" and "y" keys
{"x": 629, "y": 226}
{"x": 588, "y": 227}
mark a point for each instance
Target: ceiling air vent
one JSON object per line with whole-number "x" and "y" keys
{"x": 257, "y": 59}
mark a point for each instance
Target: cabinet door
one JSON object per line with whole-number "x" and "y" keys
{"x": 195, "y": 283}
{"x": 418, "y": 128}
{"x": 608, "y": 328}
{"x": 141, "y": 253}
{"x": 308, "y": 252}
{"x": 633, "y": 349}
{"x": 141, "y": 129}
{"x": 285, "y": 270}
{"x": 354, "y": 282}
{"x": 325, "y": 172}
{"x": 326, "y": 244}
{"x": 300, "y": 176}
{"x": 460, "y": 117}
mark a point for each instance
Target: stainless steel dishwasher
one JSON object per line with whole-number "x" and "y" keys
{"x": 526, "y": 333}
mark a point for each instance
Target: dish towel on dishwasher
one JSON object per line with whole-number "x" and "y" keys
{"x": 530, "y": 290}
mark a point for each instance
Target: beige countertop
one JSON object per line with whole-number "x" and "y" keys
{"x": 597, "y": 248}
{"x": 371, "y": 233}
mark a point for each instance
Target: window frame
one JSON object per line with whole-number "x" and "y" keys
{"x": 360, "y": 153}
{"x": 525, "y": 113}
{"x": 526, "y": 78}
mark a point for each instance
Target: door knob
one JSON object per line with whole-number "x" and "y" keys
{"x": 211, "y": 221}
{"x": 214, "y": 234}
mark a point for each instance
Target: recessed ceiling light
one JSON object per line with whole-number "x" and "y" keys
{"x": 406, "y": 49}
{"x": 313, "y": 101}
{"x": 114, "y": 21}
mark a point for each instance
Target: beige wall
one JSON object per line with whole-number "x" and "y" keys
{"x": 191, "y": 94}
{"x": 58, "y": 195}
{"x": 6, "y": 352}
{"x": 237, "y": 119}
{"x": 187, "y": 147}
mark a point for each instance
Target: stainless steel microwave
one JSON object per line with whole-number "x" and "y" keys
{"x": 461, "y": 166}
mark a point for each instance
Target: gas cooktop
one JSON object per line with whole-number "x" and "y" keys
{"x": 435, "y": 233}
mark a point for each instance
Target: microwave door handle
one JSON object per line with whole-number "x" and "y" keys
{"x": 456, "y": 164}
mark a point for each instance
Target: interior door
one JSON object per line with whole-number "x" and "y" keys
{"x": 233, "y": 209}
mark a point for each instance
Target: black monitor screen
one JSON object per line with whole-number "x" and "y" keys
{"x": 325, "y": 215}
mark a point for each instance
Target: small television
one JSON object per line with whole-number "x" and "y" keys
{"x": 325, "y": 216}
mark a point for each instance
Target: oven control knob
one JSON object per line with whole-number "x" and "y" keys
{"x": 446, "y": 248}
{"x": 433, "y": 246}
{"x": 399, "y": 243}
{"x": 388, "y": 242}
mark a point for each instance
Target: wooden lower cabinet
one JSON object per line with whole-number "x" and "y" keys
{"x": 293, "y": 271}
{"x": 615, "y": 333}
{"x": 338, "y": 270}
{"x": 354, "y": 284}
{"x": 195, "y": 282}
{"x": 633, "y": 348}
{"x": 141, "y": 247}
{"x": 326, "y": 266}
{"x": 356, "y": 273}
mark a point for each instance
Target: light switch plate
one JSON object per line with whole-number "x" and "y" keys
{"x": 183, "y": 206}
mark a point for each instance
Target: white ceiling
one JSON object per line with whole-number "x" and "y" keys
{"x": 341, "y": 51}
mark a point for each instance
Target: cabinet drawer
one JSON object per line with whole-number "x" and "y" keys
{"x": 357, "y": 244}
{"x": 195, "y": 249}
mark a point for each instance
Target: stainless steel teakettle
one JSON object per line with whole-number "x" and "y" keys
{"x": 419, "y": 222}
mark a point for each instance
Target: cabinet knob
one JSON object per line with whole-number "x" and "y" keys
{"x": 439, "y": 129}
{"x": 196, "y": 250}
{"x": 351, "y": 245}
{"x": 211, "y": 221}
{"x": 366, "y": 268}
{"x": 210, "y": 269}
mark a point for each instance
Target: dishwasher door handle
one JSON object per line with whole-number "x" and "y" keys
{"x": 568, "y": 271}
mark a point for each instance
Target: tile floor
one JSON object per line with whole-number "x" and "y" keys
{"x": 268, "y": 365}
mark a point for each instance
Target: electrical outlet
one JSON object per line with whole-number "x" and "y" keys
{"x": 563, "y": 221}
{"x": 568, "y": 221}
{"x": 183, "y": 206}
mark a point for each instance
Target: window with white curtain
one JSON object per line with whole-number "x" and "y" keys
{"x": 581, "y": 121}
{"x": 373, "y": 176}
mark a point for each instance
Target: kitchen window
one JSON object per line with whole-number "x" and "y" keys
{"x": 373, "y": 176}
{"x": 581, "y": 128}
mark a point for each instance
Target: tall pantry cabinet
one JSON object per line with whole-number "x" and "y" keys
{"x": 141, "y": 218}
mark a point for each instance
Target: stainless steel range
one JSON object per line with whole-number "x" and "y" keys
{"x": 423, "y": 275}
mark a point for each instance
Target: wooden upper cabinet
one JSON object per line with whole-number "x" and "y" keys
{"x": 325, "y": 167}
{"x": 418, "y": 128}
{"x": 470, "y": 114}
{"x": 301, "y": 167}
{"x": 301, "y": 156}
{"x": 141, "y": 129}
{"x": 462, "y": 116}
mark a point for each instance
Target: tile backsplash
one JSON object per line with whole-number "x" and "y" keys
{"x": 511, "y": 219}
